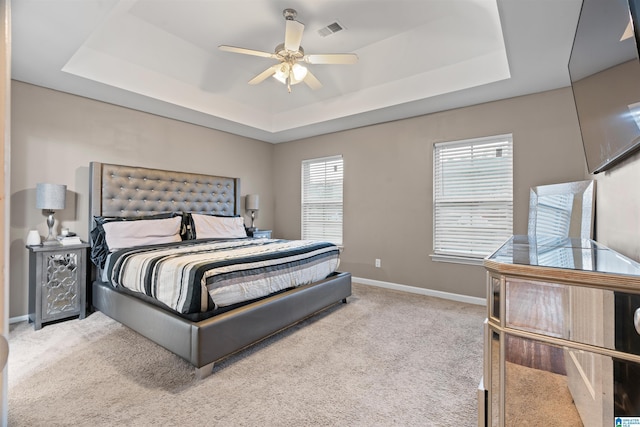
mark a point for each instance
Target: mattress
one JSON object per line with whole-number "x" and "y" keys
{"x": 197, "y": 276}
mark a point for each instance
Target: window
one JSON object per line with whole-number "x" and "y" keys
{"x": 473, "y": 197}
{"x": 322, "y": 199}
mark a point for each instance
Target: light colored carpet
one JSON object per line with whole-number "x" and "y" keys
{"x": 538, "y": 398}
{"x": 385, "y": 358}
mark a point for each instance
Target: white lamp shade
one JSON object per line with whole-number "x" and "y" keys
{"x": 299, "y": 72}
{"x": 295, "y": 73}
{"x": 282, "y": 73}
{"x": 252, "y": 202}
{"x": 50, "y": 196}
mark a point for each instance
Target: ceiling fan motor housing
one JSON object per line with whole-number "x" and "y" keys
{"x": 289, "y": 14}
{"x": 289, "y": 54}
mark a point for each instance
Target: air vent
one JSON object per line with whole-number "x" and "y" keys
{"x": 330, "y": 29}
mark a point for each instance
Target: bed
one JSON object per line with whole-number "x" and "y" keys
{"x": 203, "y": 338}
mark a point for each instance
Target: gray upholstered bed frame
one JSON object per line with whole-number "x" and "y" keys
{"x": 118, "y": 190}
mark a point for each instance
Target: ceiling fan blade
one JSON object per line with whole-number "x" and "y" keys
{"x": 331, "y": 58}
{"x": 293, "y": 35}
{"x": 244, "y": 51}
{"x": 312, "y": 81}
{"x": 264, "y": 75}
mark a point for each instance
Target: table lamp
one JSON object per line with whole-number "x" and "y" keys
{"x": 50, "y": 197}
{"x": 252, "y": 203}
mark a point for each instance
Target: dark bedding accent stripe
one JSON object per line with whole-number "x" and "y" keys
{"x": 119, "y": 262}
{"x": 258, "y": 261}
{"x": 252, "y": 271}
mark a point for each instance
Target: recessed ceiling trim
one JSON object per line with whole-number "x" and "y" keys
{"x": 215, "y": 93}
{"x": 474, "y": 72}
{"x": 125, "y": 52}
{"x": 125, "y": 75}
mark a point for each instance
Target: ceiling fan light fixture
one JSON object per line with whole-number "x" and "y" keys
{"x": 281, "y": 78}
{"x": 289, "y": 71}
{"x": 282, "y": 73}
{"x": 296, "y": 73}
{"x": 299, "y": 72}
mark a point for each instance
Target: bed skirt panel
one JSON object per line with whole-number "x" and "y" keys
{"x": 212, "y": 339}
{"x": 161, "y": 326}
{"x": 229, "y": 332}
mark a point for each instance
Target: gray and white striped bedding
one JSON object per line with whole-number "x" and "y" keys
{"x": 196, "y": 276}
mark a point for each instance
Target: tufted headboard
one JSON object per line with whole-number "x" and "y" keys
{"x": 117, "y": 190}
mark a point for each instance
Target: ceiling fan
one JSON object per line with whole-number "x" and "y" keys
{"x": 289, "y": 71}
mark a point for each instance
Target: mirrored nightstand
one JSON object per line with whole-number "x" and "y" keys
{"x": 259, "y": 234}
{"x": 57, "y": 283}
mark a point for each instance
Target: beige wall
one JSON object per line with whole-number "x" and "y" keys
{"x": 618, "y": 207}
{"x": 388, "y": 173}
{"x": 55, "y": 136}
{"x": 388, "y": 182}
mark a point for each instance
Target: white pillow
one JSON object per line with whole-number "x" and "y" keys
{"x": 218, "y": 227}
{"x": 125, "y": 234}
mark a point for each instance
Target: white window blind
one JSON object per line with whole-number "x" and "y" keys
{"x": 322, "y": 199}
{"x": 473, "y": 196}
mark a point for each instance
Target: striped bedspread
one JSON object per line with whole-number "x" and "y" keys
{"x": 196, "y": 276}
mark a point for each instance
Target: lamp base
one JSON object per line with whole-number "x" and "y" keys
{"x": 50, "y": 240}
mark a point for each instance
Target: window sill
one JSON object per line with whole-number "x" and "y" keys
{"x": 457, "y": 259}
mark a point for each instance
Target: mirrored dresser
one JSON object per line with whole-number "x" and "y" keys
{"x": 562, "y": 335}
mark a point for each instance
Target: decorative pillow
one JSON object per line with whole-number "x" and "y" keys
{"x": 125, "y": 234}
{"x": 218, "y": 227}
{"x": 99, "y": 247}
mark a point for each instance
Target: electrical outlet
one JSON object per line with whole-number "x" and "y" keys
{"x": 377, "y": 262}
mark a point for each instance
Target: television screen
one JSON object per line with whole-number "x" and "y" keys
{"x": 605, "y": 78}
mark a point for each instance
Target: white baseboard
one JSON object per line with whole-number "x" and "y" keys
{"x": 422, "y": 291}
{"x": 378, "y": 283}
{"x": 18, "y": 319}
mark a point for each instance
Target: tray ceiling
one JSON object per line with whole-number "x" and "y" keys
{"x": 415, "y": 57}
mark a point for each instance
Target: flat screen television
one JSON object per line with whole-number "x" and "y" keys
{"x": 605, "y": 78}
